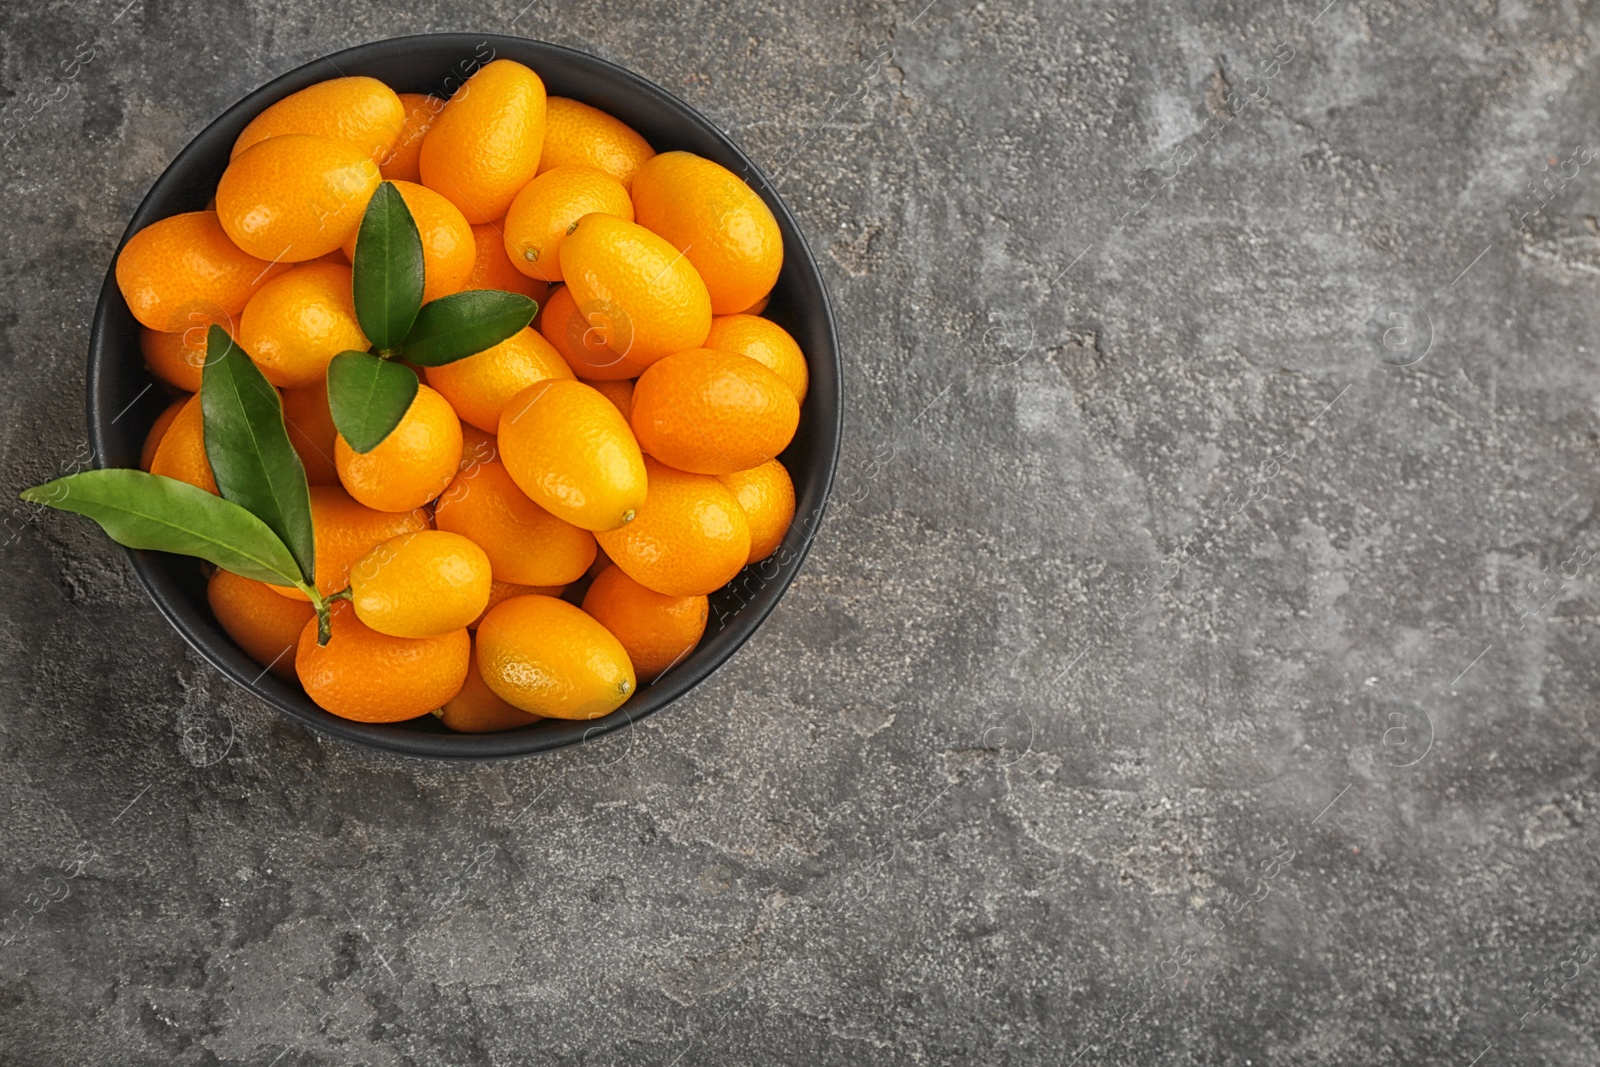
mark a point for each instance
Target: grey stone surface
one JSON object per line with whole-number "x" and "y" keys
{"x": 1193, "y": 670}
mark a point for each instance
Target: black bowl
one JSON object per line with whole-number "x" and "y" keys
{"x": 124, "y": 400}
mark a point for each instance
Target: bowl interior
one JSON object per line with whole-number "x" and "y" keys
{"x": 124, "y": 400}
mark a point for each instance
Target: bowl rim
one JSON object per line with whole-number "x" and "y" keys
{"x": 550, "y": 734}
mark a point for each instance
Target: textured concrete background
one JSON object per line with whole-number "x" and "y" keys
{"x": 1195, "y": 668}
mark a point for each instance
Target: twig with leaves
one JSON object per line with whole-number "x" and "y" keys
{"x": 260, "y": 526}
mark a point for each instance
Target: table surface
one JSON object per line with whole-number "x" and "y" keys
{"x": 1194, "y": 667}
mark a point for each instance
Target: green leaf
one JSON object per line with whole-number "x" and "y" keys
{"x": 248, "y": 445}
{"x": 149, "y": 511}
{"x": 368, "y": 396}
{"x": 388, "y": 269}
{"x": 464, "y": 324}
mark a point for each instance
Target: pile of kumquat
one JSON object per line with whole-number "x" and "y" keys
{"x": 473, "y": 402}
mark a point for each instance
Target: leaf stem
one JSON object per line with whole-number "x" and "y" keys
{"x": 324, "y": 607}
